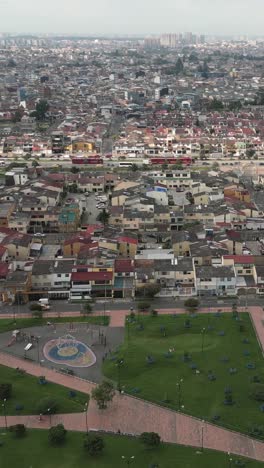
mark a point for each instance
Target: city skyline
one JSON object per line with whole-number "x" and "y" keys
{"x": 235, "y": 17}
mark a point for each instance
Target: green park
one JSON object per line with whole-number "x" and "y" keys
{"x": 35, "y": 450}
{"x": 206, "y": 365}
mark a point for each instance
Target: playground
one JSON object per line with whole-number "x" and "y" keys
{"x": 72, "y": 348}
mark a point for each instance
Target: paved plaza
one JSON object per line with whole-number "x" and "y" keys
{"x": 95, "y": 340}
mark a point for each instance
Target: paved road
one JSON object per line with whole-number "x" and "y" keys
{"x": 125, "y": 304}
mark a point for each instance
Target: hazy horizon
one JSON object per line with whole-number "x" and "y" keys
{"x": 140, "y": 17}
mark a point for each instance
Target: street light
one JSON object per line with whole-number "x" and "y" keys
{"x": 203, "y": 335}
{"x": 4, "y": 409}
{"x": 105, "y": 276}
{"x": 179, "y": 385}
{"x": 128, "y": 330}
{"x": 119, "y": 364}
{"x": 38, "y": 338}
{"x": 230, "y": 460}
{"x": 49, "y": 413}
{"x": 202, "y": 438}
{"x": 86, "y": 416}
{"x": 128, "y": 460}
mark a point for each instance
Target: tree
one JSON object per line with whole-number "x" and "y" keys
{"x": 75, "y": 170}
{"x": 17, "y": 116}
{"x": 257, "y": 392}
{"x": 103, "y": 393}
{"x": 5, "y": 391}
{"x": 150, "y": 439}
{"x": 143, "y": 306}
{"x": 94, "y": 444}
{"x": 47, "y": 406}
{"x": 103, "y": 217}
{"x": 191, "y": 304}
{"x": 216, "y": 105}
{"x": 35, "y": 163}
{"x": 42, "y": 108}
{"x": 87, "y": 308}
{"x": 57, "y": 434}
{"x": 250, "y": 152}
{"x": 179, "y": 66}
{"x": 37, "y": 314}
{"x": 134, "y": 167}
{"x": 19, "y": 430}
{"x": 149, "y": 290}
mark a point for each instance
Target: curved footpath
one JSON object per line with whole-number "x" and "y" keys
{"x": 133, "y": 416}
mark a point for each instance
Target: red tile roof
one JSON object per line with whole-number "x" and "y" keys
{"x": 92, "y": 276}
{"x": 240, "y": 259}
{"x": 127, "y": 240}
{"x": 3, "y": 269}
{"x": 124, "y": 266}
{"x": 3, "y": 250}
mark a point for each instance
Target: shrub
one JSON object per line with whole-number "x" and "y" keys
{"x": 94, "y": 444}
{"x": 19, "y": 430}
{"x": 38, "y": 314}
{"x": 57, "y": 434}
{"x": 150, "y": 439}
{"x": 154, "y": 313}
{"x": 46, "y": 404}
{"x": 257, "y": 392}
{"x": 257, "y": 431}
{"x": 5, "y": 391}
{"x": 87, "y": 309}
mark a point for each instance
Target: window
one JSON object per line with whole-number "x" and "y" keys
{"x": 59, "y": 275}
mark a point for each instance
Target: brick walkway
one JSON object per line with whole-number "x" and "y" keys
{"x": 133, "y": 416}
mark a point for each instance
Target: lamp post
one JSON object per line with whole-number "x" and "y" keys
{"x": 128, "y": 460}
{"x": 179, "y": 385}
{"x": 49, "y": 413}
{"x": 202, "y": 437}
{"x": 38, "y": 338}
{"x": 230, "y": 460}
{"x": 203, "y": 335}
{"x": 105, "y": 277}
{"x": 128, "y": 330}
{"x": 119, "y": 364}
{"x": 86, "y": 416}
{"x": 4, "y": 409}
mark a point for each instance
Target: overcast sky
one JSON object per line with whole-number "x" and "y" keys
{"x": 132, "y": 16}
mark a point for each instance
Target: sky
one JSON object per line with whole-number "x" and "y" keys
{"x": 220, "y": 17}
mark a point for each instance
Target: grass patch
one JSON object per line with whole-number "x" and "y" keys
{"x": 215, "y": 354}
{"x": 34, "y": 451}
{"x": 27, "y": 392}
{"x": 9, "y": 324}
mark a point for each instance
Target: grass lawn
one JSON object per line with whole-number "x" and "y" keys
{"x": 8, "y": 324}
{"x": 34, "y": 451}
{"x": 200, "y": 396}
{"x": 27, "y": 391}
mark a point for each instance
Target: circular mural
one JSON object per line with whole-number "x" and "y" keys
{"x": 68, "y": 350}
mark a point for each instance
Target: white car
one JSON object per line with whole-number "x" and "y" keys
{"x": 39, "y": 234}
